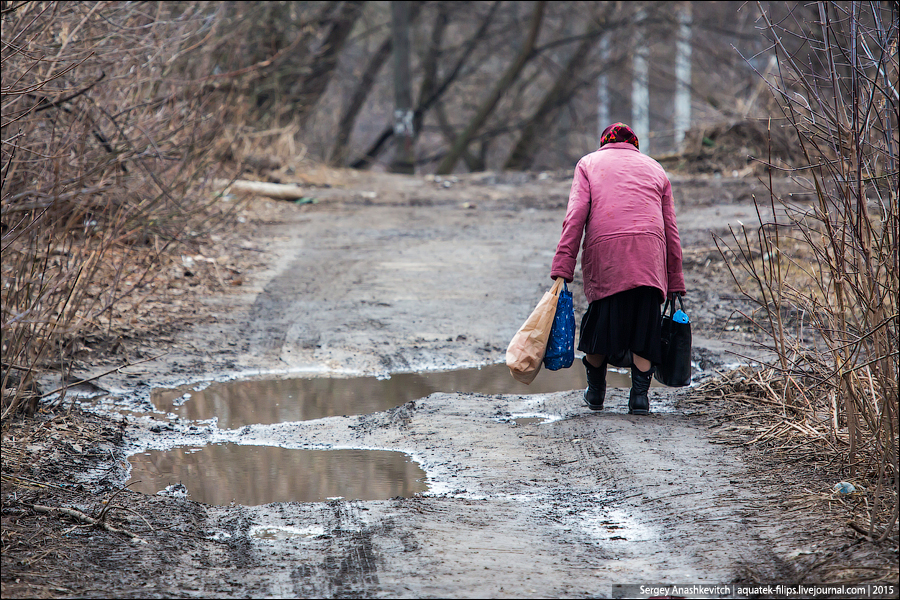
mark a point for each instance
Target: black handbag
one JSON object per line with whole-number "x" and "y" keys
{"x": 675, "y": 343}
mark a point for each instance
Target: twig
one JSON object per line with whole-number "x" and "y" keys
{"x": 668, "y": 496}
{"x": 763, "y": 435}
{"x": 137, "y": 514}
{"x": 59, "y": 389}
{"x": 18, "y": 368}
{"x": 77, "y": 514}
{"x": 15, "y": 478}
{"x": 44, "y": 104}
{"x": 807, "y": 431}
{"x": 109, "y": 502}
{"x": 869, "y": 534}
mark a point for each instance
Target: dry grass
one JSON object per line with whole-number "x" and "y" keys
{"x": 806, "y": 433}
{"x": 832, "y": 265}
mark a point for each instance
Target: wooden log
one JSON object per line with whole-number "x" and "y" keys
{"x": 281, "y": 191}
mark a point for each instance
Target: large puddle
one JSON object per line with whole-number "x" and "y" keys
{"x": 219, "y": 474}
{"x": 248, "y": 402}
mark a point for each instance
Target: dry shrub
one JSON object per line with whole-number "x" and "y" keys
{"x": 105, "y": 154}
{"x": 736, "y": 146}
{"x": 831, "y": 265}
{"x": 258, "y": 63}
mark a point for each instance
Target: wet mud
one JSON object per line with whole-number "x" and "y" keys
{"x": 386, "y": 285}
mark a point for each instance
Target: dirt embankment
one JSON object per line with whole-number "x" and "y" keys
{"x": 379, "y": 274}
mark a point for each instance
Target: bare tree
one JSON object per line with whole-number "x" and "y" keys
{"x": 430, "y": 64}
{"x": 640, "y": 80}
{"x": 404, "y": 161}
{"x": 447, "y": 165}
{"x": 103, "y": 169}
{"x": 569, "y": 81}
{"x": 340, "y": 150}
{"x": 427, "y": 102}
{"x": 834, "y": 260}
{"x": 311, "y": 86}
{"x": 289, "y": 56}
{"x": 683, "y": 74}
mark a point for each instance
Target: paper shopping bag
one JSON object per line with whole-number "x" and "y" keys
{"x": 526, "y": 350}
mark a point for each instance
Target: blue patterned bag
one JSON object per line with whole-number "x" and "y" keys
{"x": 561, "y": 345}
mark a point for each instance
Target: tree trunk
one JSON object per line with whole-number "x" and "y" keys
{"x": 683, "y": 75}
{"x": 430, "y": 65}
{"x": 313, "y": 85}
{"x": 459, "y": 146}
{"x": 603, "y": 120}
{"x": 565, "y": 86}
{"x": 404, "y": 158}
{"x": 281, "y": 191}
{"x": 348, "y": 120}
{"x": 340, "y": 150}
{"x": 473, "y": 163}
{"x": 640, "y": 84}
{"x": 375, "y": 149}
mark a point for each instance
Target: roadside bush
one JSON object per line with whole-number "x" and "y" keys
{"x": 823, "y": 275}
{"x": 106, "y": 139}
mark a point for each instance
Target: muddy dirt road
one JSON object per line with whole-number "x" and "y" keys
{"x": 530, "y": 494}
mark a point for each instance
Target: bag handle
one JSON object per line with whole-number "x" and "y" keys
{"x": 557, "y": 285}
{"x": 671, "y": 299}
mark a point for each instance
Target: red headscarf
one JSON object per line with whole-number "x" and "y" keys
{"x": 618, "y": 132}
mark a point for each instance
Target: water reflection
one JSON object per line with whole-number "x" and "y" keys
{"x": 285, "y": 533}
{"x": 529, "y": 420}
{"x": 251, "y": 475}
{"x": 239, "y": 403}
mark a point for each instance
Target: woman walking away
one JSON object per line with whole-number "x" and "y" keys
{"x": 621, "y": 201}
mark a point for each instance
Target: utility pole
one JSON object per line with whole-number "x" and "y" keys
{"x": 404, "y": 156}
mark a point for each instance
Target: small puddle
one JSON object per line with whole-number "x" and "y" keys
{"x": 264, "y": 402}
{"x": 219, "y": 474}
{"x": 285, "y": 533}
{"x": 611, "y": 524}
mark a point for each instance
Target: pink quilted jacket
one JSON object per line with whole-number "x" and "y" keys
{"x": 621, "y": 202}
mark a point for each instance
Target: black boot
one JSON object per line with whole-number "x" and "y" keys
{"x": 638, "y": 400}
{"x": 596, "y": 388}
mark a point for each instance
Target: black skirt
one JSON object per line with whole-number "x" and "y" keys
{"x": 628, "y": 320}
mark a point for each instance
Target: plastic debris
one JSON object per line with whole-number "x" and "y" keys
{"x": 176, "y": 490}
{"x": 844, "y": 487}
